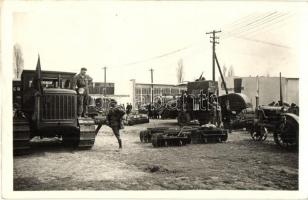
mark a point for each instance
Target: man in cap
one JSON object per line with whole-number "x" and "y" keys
{"x": 81, "y": 83}
{"x": 114, "y": 118}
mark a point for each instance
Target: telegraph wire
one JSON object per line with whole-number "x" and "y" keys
{"x": 260, "y": 25}
{"x": 263, "y": 42}
{"x": 243, "y": 20}
{"x": 254, "y": 25}
{"x": 252, "y": 16}
{"x": 252, "y": 20}
{"x": 249, "y": 22}
{"x": 279, "y": 22}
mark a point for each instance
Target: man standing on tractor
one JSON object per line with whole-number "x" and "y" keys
{"x": 81, "y": 84}
{"x": 114, "y": 120}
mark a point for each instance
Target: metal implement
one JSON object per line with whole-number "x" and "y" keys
{"x": 133, "y": 119}
{"x": 166, "y": 136}
{"x": 146, "y": 135}
{"x": 171, "y": 137}
{"x": 208, "y": 134}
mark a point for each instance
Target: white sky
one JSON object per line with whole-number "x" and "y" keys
{"x": 71, "y": 35}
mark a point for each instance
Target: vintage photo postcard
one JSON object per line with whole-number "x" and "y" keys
{"x": 153, "y": 99}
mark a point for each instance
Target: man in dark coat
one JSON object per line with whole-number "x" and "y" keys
{"x": 114, "y": 118}
{"x": 81, "y": 83}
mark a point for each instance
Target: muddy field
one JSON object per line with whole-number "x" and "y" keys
{"x": 239, "y": 164}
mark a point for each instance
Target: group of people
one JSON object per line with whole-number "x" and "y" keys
{"x": 129, "y": 108}
{"x": 115, "y": 114}
{"x": 153, "y": 112}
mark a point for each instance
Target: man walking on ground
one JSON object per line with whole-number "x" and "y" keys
{"x": 114, "y": 118}
{"x": 81, "y": 84}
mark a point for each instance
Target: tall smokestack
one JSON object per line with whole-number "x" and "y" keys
{"x": 237, "y": 85}
{"x": 280, "y": 85}
{"x": 257, "y": 96}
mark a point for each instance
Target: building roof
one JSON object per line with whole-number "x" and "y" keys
{"x": 162, "y": 84}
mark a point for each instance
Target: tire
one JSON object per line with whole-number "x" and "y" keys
{"x": 286, "y": 135}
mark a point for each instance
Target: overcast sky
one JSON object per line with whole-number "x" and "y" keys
{"x": 132, "y": 37}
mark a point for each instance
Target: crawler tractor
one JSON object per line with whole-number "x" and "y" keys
{"x": 46, "y": 106}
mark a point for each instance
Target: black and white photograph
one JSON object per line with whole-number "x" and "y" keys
{"x": 137, "y": 98}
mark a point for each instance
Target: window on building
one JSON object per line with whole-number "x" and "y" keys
{"x": 157, "y": 91}
{"x": 138, "y": 91}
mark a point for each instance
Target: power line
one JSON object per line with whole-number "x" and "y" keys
{"x": 243, "y": 20}
{"x": 259, "y": 25}
{"x": 274, "y": 23}
{"x": 254, "y": 24}
{"x": 249, "y": 22}
{"x": 157, "y": 57}
{"x": 263, "y": 42}
{"x": 266, "y": 23}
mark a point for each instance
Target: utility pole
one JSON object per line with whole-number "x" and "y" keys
{"x": 105, "y": 87}
{"x": 214, "y": 42}
{"x": 152, "y": 90}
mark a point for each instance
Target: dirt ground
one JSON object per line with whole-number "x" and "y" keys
{"x": 239, "y": 164}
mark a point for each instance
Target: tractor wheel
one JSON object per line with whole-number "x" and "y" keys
{"x": 259, "y": 133}
{"x": 286, "y": 136}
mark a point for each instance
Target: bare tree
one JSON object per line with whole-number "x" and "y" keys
{"x": 224, "y": 70}
{"x": 18, "y": 61}
{"x": 231, "y": 71}
{"x": 180, "y": 71}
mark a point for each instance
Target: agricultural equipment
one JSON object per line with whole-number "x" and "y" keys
{"x": 172, "y": 137}
{"x": 169, "y": 110}
{"x": 146, "y": 135}
{"x": 280, "y": 119}
{"x": 208, "y": 133}
{"x": 201, "y": 103}
{"x": 135, "y": 118}
{"x": 178, "y": 136}
{"x": 46, "y": 106}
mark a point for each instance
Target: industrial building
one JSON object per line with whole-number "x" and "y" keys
{"x": 102, "y": 88}
{"x": 142, "y": 92}
{"x": 267, "y": 88}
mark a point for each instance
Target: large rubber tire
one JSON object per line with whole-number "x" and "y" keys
{"x": 259, "y": 133}
{"x": 286, "y": 135}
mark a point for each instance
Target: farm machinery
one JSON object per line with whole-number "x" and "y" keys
{"x": 281, "y": 119}
{"x": 199, "y": 103}
{"x": 45, "y": 105}
{"x": 136, "y": 118}
{"x": 179, "y": 136}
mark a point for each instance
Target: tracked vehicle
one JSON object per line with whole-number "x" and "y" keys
{"x": 46, "y": 106}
